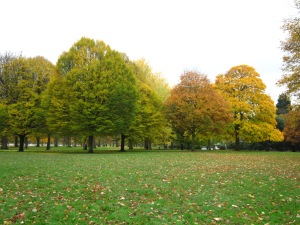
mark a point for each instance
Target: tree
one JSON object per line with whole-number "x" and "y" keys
{"x": 56, "y": 104}
{"x": 291, "y": 59}
{"x": 24, "y": 81}
{"x": 4, "y": 89}
{"x": 149, "y": 123}
{"x": 123, "y": 96}
{"x": 195, "y": 107}
{"x": 253, "y": 110}
{"x": 3, "y": 126}
{"x": 102, "y": 89}
{"x": 283, "y": 106}
{"x": 292, "y": 128}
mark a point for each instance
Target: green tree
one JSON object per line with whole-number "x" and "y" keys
{"x": 195, "y": 107}
{"x": 56, "y": 104}
{"x": 3, "y": 126}
{"x": 4, "y": 59}
{"x": 102, "y": 89}
{"x": 122, "y": 97}
{"x": 25, "y": 80}
{"x": 149, "y": 124}
{"x": 253, "y": 110}
{"x": 283, "y": 106}
{"x": 291, "y": 59}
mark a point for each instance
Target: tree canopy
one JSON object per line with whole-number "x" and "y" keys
{"x": 292, "y": 126}
{"x": 291, "y": 59}
{"x": 253, "y": 110}
{"x": 24, "y": 81}
{"x": 196, "y": 108}
{"x": 102, "y": 87}
{"x": 96, "y": 91}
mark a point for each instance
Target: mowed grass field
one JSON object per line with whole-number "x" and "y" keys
{"x": 149, "y": 187}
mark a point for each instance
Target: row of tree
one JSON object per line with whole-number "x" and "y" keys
{"x": 95, "y": 91}
{"x": 235, "y": 107}
{"x": 92, "y": 91}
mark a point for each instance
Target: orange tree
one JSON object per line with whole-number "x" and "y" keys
{"x": 254, "y": 111}
{"x": 292, "y": 127}
{"x": 196, "y": 108}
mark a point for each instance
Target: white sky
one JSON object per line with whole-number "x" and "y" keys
{"x": 172, "y": 35}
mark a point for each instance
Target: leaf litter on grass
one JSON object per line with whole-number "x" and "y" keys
{"x": 158, "y": 187}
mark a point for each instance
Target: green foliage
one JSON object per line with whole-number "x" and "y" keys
{"x": 280, "y": 120}
{"x": 149, "y": 123}
{"x": 150, "y": 188}
{"x": 55, "y": 101}
{"x": 283, "y": 104}
{"x": 24, "y": 79}
{"x": 3, "y": 120}
{"x": 100, "y": 89}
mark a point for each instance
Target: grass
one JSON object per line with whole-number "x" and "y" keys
{"x": 149, "y": 187}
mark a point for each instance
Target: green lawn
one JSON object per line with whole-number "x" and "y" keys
{"x": 149, "y": 187}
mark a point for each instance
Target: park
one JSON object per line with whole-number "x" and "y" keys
{"x": 98, "y": 138}
{"x": 68, "y": 186}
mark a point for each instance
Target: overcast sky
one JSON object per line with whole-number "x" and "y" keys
{"x": 210, "y": 36}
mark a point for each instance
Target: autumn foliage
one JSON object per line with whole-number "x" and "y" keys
{"x": 254, "y": 111}
{"x": 292, "y": 127}
{"x": 196, "y": 108}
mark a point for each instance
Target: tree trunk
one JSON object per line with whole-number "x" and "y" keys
{"x": 16, "y": 141}
{"x": 130, "y": 144}
{"x": 55, "y": 141}
{"x": 26, "y": 142}
{"x": 237, "y": 137}
{"x": 123, "y": 137}
{"x": 208, "y": 145}
{"x": 117, "y": 142}
{"x": 22, "y": 142}
{"x": 90, "y": 144}
{"x": 193, "y": 140}
{"x": 69, "y": 141}
{"x": 237, "y": 143}
{"x": 38, "y": 139}
{"x": 48, "y": 142}
{"x": 75, "y": 142}
{"x": 94, "y": 143}
{"x": 146, "y": 145}
{"x": 4, "y": 143}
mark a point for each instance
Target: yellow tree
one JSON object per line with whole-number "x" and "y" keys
{"x": 254, "y": 111}
{"x": 195, "y": 107}
{"x": 149, "y": 124}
